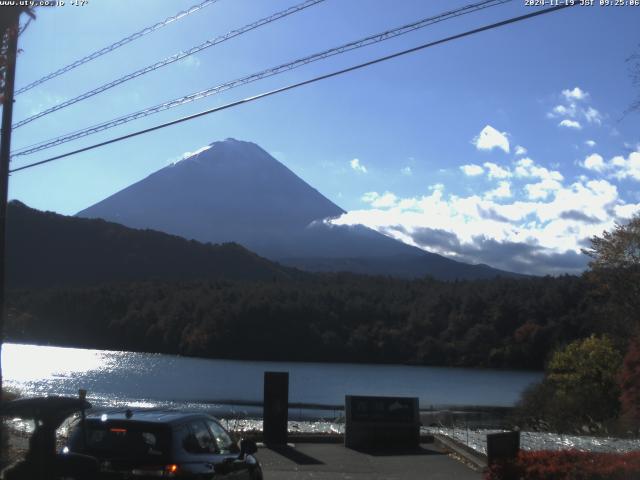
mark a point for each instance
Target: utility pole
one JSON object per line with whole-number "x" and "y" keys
{"x": 10, "y": 35}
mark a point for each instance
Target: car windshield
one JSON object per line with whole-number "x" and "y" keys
{"x": 142, "y": 441}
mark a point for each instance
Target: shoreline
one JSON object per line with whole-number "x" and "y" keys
{"x": 268, "y": 360}
{"x": 470, "y": 442}
{"x": 466, "y": 441}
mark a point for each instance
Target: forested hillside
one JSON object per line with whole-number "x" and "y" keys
{"x": 45, "y": 249}
{"x": 328, "y": 317}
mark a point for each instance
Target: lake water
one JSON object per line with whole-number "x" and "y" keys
{"x": 228, "y": 386}
{"x": 233, "y": 389}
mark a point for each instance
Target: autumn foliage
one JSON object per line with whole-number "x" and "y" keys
{"x": 580, "y": 391}
{"x": 630, "y": 385}
{"x": 568, "y": 464}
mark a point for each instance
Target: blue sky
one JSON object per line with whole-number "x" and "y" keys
{"x": 509, "y": 148}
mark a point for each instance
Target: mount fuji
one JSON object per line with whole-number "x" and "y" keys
{"x": 234, "y": 191}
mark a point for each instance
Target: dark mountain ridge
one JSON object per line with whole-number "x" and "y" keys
{"x": 48, "y": 249}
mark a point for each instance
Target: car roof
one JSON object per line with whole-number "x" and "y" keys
{"x": 148, "y": 415}
{"x": 43, "y": 407}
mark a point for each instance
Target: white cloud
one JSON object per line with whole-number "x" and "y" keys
{"x": 590, "y": 143}
{"x": 520, "y": 150}
{"x": 619, "y": 167}
{"x": 490, "y": 138}
{"x": 627, "y": 211}
{"x": 541, "y": 235}
{"x": 570, "y": 112}
{"x": 593, "y": 116}
{"x": 594, "y": 162}
{"x": 472, "y": 170}
{"x": 357, "y": 166}
{"x": 527, "y": 168}
{"x": 523, "y": 167}
{"x": 627, "y": 167}
{"x": 503, "y": 190}
{"x": 386, "y": 200}
{"x": 370, "y": 197}
{"x": 564, "y": 111}
{"x": 406, "y": 171}
{"x": 542, "y": 189}
{"x": 496, "y": 171}
{"x": 575, "y": 94}
{"x": 570, "y": 124}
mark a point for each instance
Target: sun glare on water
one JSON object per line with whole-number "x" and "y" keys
{"x": 28, "y": 363}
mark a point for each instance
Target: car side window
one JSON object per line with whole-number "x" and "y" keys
{"x": 181, "y": 435}
{"x": 223, "y": 440}
{"x": 198, "y": 439}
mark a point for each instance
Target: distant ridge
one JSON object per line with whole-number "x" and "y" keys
{"x": 46, "y": 249}
{"x": 401, "y": 266}
{"x": 234, "y": 191}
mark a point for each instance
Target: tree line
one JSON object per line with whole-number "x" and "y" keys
{"x": 504, "y": 323}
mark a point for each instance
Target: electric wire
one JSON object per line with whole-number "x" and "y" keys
{"x": 296, "y": 85}
{"x": 379, "y": 37}
{"x": 118, "y": 44}
{"x": 23, "y": 28}
{"x": 171, "y": 59}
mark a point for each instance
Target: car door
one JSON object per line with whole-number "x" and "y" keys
{"x": 238, "y": 468}
{"x": 199, "y": 453}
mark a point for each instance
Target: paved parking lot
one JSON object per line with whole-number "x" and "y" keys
{"x": 329, "y": 461}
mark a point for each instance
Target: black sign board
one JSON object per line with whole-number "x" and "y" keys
{"x": 381, "y": 422}
{"x": 276, "y": 407}
{"x": 502, "y": 446}
{"x": 382, "y": 409}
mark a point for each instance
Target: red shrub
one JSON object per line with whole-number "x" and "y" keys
{"x": 568, "y": 464}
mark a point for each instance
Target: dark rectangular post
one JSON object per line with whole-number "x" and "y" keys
{"x": 82, "y": 395}
{"x": 11, "y": 24}
{"x": 502, "y": 446}
{"x": 276, "y": 407}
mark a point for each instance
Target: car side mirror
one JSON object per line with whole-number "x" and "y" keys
{"x": 248, "y": 447}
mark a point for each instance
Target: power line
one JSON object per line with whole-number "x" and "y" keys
{"x": 298, "y": 84}
{"x": 171, "y": 59}
{"x": 118, "y": 44}
{"x": 260, "y": 75}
